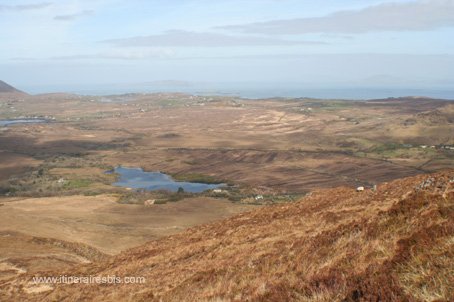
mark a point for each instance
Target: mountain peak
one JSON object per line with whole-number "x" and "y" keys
{"x": 6, "y": 88}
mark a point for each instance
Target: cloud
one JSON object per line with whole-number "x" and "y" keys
{"x": 25, "y": 6}
{"x": 180, "y": 38}
{"x": 167, "y": 54}
{"x": 120, "y": 55}
{"x": 408, "y": 16}
{"x": 70, "y": 17}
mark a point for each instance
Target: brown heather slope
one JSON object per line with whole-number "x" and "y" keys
{"x": 395, "y": 244}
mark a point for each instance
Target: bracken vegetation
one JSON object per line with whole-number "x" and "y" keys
{"x": 392, "y": 244}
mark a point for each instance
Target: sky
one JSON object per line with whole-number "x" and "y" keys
{"x": 310, "y": 43}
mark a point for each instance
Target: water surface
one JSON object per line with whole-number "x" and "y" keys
{"x": 21, "y": 121}
{"x": 254, "y": 91}
{"x": 136, "y": 178}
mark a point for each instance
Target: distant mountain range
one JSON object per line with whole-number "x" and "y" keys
{"x": 6, "y": 88}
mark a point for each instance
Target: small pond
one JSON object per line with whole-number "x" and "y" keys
{"x": 136, "y": 178}
{"x": 21, "y": 121}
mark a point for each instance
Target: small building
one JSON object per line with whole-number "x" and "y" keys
{"x": 149, "y": 202}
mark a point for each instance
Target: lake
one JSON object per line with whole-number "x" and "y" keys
{"x": 136, "y": 178}
{"x": 21, "y": 121}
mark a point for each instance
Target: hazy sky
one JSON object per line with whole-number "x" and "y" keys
{"x": 317, "y": 43}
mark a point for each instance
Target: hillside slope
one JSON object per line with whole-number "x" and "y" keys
{"x": 6, "y": 88}
{"x": 395, "y": 244}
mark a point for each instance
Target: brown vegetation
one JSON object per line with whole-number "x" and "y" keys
{"x": 285, "y": 145}
{"x": 392, "y": 244}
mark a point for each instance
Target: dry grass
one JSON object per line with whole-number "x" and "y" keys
{"x": 335, "y": 245}
{"x": 262, "y": 143}
{"x": 429, "y": 274}
{"x": 395, "y": 244}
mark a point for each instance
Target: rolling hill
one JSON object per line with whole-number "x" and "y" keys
{"x": 395, "y": 243}
{"x": 6, "y": 88}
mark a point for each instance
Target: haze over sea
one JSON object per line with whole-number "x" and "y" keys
{"x": 350, "y": 49}
{"x": 252, "y": 91}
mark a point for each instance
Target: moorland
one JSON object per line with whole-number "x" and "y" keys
{"x": 58, "y": 207}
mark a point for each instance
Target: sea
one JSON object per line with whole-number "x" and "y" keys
{"x": 251, "y": 91}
